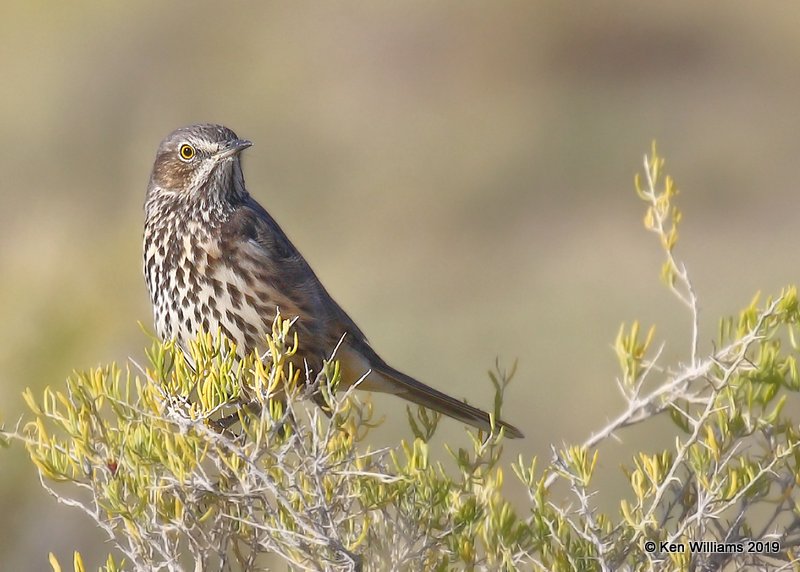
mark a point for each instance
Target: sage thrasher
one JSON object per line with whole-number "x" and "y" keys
{"x": 215, "y": 260}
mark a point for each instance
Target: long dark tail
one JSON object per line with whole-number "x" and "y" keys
{"x": 386, "y": 379}
{"x": 417, "y": 392}
{"x": 356, "y": 357}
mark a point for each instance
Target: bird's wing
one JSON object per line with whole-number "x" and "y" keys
{"x": 283, "y": 265}
{"x": 322, "y": 321}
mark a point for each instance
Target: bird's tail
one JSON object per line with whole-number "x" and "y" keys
{"x": 417, "y": 392}
{"x": 385, "y": 379}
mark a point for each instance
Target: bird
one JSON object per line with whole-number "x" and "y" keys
{"x": 216, "y": 261}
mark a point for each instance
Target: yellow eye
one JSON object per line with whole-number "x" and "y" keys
{"x": 187, "y": 152}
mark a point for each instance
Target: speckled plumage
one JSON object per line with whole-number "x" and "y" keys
{"x": 215, "y": 260}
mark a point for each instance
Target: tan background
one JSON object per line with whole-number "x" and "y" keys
{"x": 458, "y": 173}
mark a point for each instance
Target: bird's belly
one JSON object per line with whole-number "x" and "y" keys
{"x": 196, "y": 289}
{"x": 217, "y": 302}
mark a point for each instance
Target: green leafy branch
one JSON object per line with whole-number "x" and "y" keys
{"x": 224, "y": 461}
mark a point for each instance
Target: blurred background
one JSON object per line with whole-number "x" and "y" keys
{"x": 460, "y": 175}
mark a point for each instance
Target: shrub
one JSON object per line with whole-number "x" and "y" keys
{"x": 148, "y": 455}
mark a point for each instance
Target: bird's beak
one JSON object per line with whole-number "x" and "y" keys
{"x": 232, "y": 148}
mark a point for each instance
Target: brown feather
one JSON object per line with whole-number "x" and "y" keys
{"x": 383, "y": 378}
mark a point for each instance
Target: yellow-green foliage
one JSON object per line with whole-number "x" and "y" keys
{"x": 166, "y": 480}
{"x": 155, "y": 458}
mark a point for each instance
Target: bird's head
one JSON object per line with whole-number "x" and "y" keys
{"x": 199, "y": 162}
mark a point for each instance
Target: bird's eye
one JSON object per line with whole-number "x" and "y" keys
{"x": 187, "y": 152}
